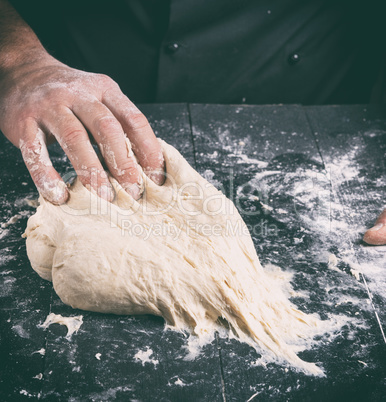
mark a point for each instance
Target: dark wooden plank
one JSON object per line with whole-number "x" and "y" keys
{"x": 24, "y": 298}
{"x": 117, "y": 372}
{"x": 72, "y": 369}
{"x": 267, "y": 152}
{"x": 352, "y": 141}
{"x": 267, "y": 155}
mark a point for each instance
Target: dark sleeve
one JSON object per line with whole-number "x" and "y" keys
{"x": 222, "y": 51}
{"x": 118, "y": 38}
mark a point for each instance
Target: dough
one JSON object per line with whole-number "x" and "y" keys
{"x": 181, "y": 252}
{"x": 72, "y": 323}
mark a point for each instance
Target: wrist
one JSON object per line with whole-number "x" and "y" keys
{"x": 14, "y": 56}
{"x": 19, "y": 46}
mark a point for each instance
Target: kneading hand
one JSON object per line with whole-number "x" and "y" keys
{"x": 47, "y": 99}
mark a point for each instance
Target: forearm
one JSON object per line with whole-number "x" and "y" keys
{"x": 18, "y": 43}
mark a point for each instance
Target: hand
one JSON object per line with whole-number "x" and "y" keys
{"x": 46, "y": 99}
{"x": 377, "y": 234}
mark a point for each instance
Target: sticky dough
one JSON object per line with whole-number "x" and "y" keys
{"x": 181, "y": 252}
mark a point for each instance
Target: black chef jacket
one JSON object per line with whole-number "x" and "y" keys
{"x": 220, "y": 51}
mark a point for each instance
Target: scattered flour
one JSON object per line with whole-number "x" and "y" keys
{"x": 176, "y": 381}
{"x": 110, "y": 394}
{"x": 18, "y": 328}
{"x": 41, "y": 351}
{"x": 315, "y": 198}
{"x": 144, "y": 356}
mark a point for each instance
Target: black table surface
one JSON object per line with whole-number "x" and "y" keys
{"x": 308, "y": 181}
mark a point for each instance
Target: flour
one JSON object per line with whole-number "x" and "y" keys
{"x": 344, "y": 168}
{"x": 176, "y": 381}
{"x": 18, "y": 328}
{"x": 209, "y": 175}
{"x": 309, "y": 197}
{"x": 110, "y": 394}
{"x": 41, "y": 351}
{"x": 144, "y": 356}
{"x": 11, "y": 221}
{"x": 236, "y": 151}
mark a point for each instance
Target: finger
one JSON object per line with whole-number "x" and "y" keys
{"x": 137, "y": 128}
{"x": 381, "y": 218}
{"x": 74, "y": 140}
{"x": 113, "y": 144}
{"x": 377, "y": 234}
{"x": 35, "y": 155}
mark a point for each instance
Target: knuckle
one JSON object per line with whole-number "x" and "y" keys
{"x": 155, "y": 157}
{"x": 58, "y": 92}
{"x": 42, "y": 177}
{"x": 107, "y": 125}
{"x": 128, "y": 168}
{"x": 103, "y": 77}
{"x": 26, "y": 113}
{"x": 55, "y": 95}
{"x": 71, "y": 135}
{"x": 27, "y": 116}
{"x": 106, "y": 81}
{"x": 91, "y": 173}
{"x": 29, "y": 145}
{"x": 138, "y": 121}
{"x": 29, "y": 152}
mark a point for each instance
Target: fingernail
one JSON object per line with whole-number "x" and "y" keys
{"x": 134, "y": 190}
{"x": 55, "y": 192}
{"x": 106, "y": 193}
{"x": 377, "y": 227}
{"x": 157, "y": 176}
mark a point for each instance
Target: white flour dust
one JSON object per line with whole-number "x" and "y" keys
{"x": 144, "y": 356}
{"x": 334, "y": 208}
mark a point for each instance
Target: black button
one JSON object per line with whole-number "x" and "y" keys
{"x": 172, "y": 47}
{"x": 293, "y": 59}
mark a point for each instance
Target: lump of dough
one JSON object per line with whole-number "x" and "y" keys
{"x": 181, "y": 252}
